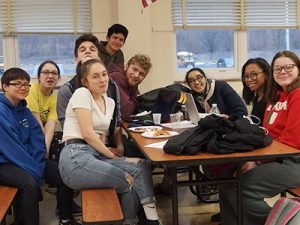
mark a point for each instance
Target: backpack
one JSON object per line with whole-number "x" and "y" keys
{"x": 286, "y": 211}
{"x": 147, "y": 100}
{"x": 56, "y": 146}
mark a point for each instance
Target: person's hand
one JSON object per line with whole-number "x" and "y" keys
{"x": 248, "y": 166}
{"x": 225, "y": 116}
{"x": 116, "y": 151}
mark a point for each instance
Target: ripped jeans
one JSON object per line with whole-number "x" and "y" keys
{"x": 82, "y": 167}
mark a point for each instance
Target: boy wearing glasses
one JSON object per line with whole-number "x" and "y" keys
{"x": 22, "y": 153}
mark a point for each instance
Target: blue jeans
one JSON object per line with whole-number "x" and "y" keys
{"x": 264, "y": 181}
{"x": 82, "y": 167}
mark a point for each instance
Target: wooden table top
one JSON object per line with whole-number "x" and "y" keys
{"x": 274, "y": 150}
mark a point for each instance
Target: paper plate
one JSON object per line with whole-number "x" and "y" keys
{"x": 158, "y": 134}
{"x": 143, "y": 129}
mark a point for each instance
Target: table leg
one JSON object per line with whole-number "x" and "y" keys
{"x": 174, "y": 195}
{"x": 239, "y": 195}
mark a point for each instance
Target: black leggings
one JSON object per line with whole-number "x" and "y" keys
{"x": 26, "y": 204}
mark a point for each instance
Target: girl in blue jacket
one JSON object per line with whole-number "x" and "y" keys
{"x": 22, "y": 152}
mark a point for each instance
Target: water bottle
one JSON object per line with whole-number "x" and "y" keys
{"x": 214, "y": 109}
{"x": 185, "y": 113}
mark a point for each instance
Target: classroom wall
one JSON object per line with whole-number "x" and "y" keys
{"x": 150, "y": 32}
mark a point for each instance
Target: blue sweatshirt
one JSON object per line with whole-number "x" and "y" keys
{"x": 21, "y": 139}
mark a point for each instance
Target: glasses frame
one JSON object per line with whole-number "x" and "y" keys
{"x": 284, "y": 67}
{"x": 199, "y": 78}
{"x": 20, "y": 85}
{"x": 252, "y": 75}
{"x": 47, "y": 73}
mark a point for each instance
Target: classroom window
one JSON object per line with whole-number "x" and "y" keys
{"x": 204, "y": 48}
{"x": 266, "y": 43}
{"x": 232, "y": 31}
{"x": 34, "y": 49}
{"x": 1, "y": 57}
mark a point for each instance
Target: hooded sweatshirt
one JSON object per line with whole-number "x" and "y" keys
{"x": 22, "y": 139}
{"x": 111, "y": 61}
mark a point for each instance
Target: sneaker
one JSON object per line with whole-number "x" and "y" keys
{"x": 69, "y": 222}
{"x": 155, "y": 222}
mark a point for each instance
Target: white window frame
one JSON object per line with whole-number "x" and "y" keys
{"x": 247, "y": 20}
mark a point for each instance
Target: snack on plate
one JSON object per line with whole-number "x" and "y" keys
{"x": 144, "y": 129}
{"x": 141, "y": 129}
{"x": 161, "y": 133}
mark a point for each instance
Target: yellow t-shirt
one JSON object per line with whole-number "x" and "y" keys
{"x": 39, "y": 103}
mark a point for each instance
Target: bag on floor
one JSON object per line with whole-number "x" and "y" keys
{"x": 56, "y": 146}
{"x": 286, "y": 211}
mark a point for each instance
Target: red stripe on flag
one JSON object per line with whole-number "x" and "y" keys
{"x": 147, "y": 2}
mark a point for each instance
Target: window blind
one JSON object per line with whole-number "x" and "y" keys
{"x": 236, "y": 14}
{"x": 44, "y": 16}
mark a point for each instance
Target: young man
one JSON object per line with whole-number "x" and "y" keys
{"x": 110, "y": 50}
{"x": 87, "y": 47}
{"x": 128, "y": 81}
{"x": 22, "y": 154}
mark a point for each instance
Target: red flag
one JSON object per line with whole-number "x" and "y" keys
{"x": 147, "y": 2}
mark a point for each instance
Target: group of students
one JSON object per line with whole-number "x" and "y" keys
{"x": 89, "y": 108}
{"x": 274, "y": 93}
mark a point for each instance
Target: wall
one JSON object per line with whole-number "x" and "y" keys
{"x": 150, "y": 32}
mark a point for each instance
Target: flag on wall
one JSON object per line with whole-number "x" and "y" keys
{"x": 146, "y": 3}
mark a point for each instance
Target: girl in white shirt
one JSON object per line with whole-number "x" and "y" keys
{"x": 86, "y": 161}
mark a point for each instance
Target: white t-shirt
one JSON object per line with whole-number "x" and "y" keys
{"x": 82, "y": 98}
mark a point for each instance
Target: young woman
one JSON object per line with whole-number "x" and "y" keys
{"x": 86, "y": 161}
{"x": 41, "y": 100}
{"x": 22, "y": 153}
{"x": 268, "y": 179}
{"x": 255, "y": 74}
{"x": 208, "y": 91}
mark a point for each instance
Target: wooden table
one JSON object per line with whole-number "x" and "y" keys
{"x": 159, "y": 157}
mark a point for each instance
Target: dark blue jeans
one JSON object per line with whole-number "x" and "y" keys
{"x": 26, "y": 204}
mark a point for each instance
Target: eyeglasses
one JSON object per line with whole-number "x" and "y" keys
{"x": 198, "y": 78}
{"x": 252, "y": 75}
{"x": 47, "y": 73}
{"x": 288, "y": 68}
{"x": 19, "y": 85}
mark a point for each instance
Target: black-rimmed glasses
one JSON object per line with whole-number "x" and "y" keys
{"x": 288, "y": 68}
{"x": 47, "y": 73}
{"x": 19, "y": 85}
{"x": 252, "y": 76}
{"x": 198, "y": 78}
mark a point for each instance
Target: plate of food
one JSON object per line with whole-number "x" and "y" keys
{"x": 159, "y": 134}
{"x": 143, "y": 129}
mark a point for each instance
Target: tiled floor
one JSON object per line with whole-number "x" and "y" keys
{"x": 191, "y": 212}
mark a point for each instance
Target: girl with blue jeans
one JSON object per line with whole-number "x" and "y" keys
{"x": 86, "y": 162}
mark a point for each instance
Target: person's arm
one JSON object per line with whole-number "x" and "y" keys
{"x": 84, "y": 118}
{"x": 119, "y": 150}
{"x": 233, "y": 101}
{"x": 24, "y": 148}
{"x": 290, "y": 134}
{"x": 63, "y": 97}
{"x": 49, "y": 130}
